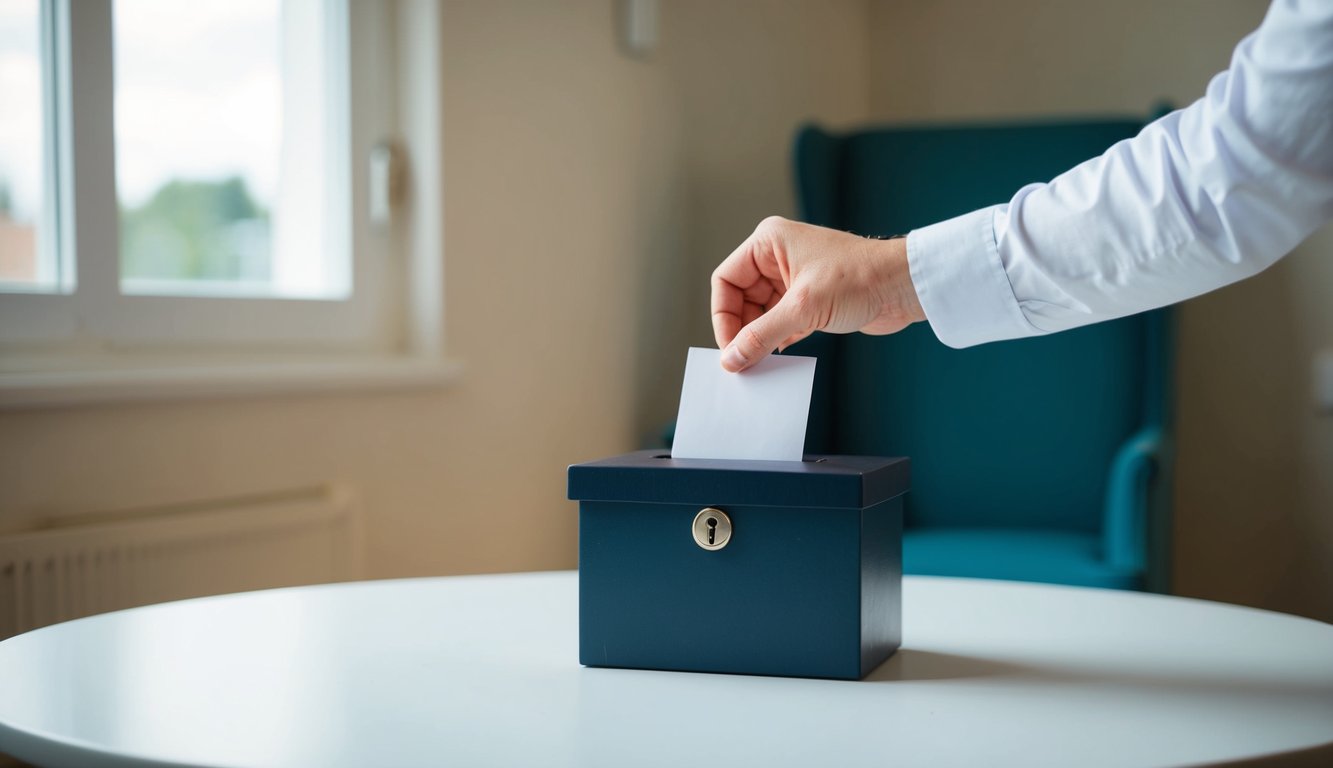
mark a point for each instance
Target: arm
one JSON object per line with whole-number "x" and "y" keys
{"x": 1204, "y": 197}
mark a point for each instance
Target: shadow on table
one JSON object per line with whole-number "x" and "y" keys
{"x": 1314, "y": 757}
{"x": 914, "y": 665}
{"x": 910, "y": 665}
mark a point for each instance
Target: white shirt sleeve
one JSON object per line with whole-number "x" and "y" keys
{"x": 1203, "y": 197}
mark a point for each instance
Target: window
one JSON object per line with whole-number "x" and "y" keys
{"x": 27, "y": 255}
{"x": 230, "y": 148}
{"x": 216, "y": 176}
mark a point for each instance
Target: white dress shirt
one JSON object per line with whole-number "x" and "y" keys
{"x": 1203, "y": 197}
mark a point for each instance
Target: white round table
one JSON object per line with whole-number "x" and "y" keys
{"x": 483, "y": 671}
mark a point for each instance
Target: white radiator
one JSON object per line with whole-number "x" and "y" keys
{"x": 96, "y": 563}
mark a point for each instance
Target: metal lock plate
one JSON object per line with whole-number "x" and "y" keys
{"x": 711, "y": 528}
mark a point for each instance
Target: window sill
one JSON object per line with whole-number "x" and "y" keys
{"x": 175, "y": 381}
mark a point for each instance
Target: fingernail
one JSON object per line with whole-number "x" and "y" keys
{"x": 732, "y": 359}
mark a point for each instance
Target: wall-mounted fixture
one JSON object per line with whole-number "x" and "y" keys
{"x": 1323, "y": 380}
{"x": 638, "y": 22}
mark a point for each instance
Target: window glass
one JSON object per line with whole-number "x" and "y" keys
{"x": 26, "y": 263}
{"x": 227, "y": 128}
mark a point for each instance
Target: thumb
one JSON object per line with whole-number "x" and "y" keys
{"x": 762, "y": 336}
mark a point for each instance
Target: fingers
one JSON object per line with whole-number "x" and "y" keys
{"x": 745, "y": 284}
{"x": 729, "y": 282}
{"x": 725, "y": 328}
{"x": 726, "y": 325}
{"x": 751, "y": 308}
{"x": 756, "y": 340}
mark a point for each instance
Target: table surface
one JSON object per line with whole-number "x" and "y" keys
{"x": 483, "y": 671}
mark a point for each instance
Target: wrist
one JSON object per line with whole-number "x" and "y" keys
{"x": 897, "y": 293}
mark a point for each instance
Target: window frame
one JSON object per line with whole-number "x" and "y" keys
{"x": 90, "y": 306}
{"x": 67, "y": 346}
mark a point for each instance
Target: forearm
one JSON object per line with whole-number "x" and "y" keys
{"x": 1204, "y": 197}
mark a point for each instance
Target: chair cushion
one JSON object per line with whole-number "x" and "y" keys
{"x": 1016, "y": 554}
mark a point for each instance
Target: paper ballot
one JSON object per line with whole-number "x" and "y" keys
{"x": 757, "y": 414}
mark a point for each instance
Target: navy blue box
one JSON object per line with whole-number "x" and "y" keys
{"x": 808, "y": 584}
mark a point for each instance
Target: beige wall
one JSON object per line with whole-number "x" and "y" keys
{"x": 587, "y": 197}
{"x": 1254, "y": 484}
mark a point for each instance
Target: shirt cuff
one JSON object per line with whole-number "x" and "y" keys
{"x": 961, "y": 282}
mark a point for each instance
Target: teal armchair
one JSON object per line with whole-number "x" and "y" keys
{"x": 1041, "y": 459}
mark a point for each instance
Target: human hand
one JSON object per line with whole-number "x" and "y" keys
{"x": 788, "y": 280}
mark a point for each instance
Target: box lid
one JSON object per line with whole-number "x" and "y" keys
{"x": 819, "y": 481}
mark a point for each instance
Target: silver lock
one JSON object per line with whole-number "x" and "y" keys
{"x": 711, "y": 528}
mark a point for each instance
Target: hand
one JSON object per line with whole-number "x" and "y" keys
{"x": 788, "y": 280}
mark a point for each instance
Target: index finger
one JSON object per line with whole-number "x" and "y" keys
{"x": 740, "y": 291}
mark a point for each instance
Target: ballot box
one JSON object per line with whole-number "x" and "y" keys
{"x": 789, "y": 568}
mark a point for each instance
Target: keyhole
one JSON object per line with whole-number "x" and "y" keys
{"x": 711, "y": 529}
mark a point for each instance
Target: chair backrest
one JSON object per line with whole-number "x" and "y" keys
{"x": 1017, "y": 433}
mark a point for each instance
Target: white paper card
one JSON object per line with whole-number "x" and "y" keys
{"x": 757, "y": 414}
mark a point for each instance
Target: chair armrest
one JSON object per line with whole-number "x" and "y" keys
{"x": 1125, "y": 523}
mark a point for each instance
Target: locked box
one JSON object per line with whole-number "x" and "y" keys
{"x": 753, "y": 567}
